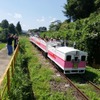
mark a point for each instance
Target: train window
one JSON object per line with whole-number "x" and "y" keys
{"x": 68, "y": 58}
{"x": 83, "y": 58}
{"x": 76, "y": 58}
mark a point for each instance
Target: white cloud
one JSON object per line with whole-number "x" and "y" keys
{"x": 9, "y": 14}
{"x": 24, "y": 25}
{"x": 52, "y": 20}
{"x": 17, "y": 16}
{"x": 41, "y": 20}
{"x": 12, "y": 21}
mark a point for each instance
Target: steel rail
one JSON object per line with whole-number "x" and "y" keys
{"x": 72, "y": 84}
{"x": 96, "y": 87}
{"x": 92, "y": 84}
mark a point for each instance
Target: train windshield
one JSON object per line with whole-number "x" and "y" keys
{"x": 83, "y": 58}
{"x": 68, "y": 58}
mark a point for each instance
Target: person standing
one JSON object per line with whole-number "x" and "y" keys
{"x": 9, "y": 44}
{"x": 15, "y": 41}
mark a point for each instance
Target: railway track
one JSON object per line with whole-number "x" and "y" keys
{"x": 97, "y": 89}
{"x": 95, "y": 86}
{"x": 88, "y": 87}
{"x": 79, "y": 93}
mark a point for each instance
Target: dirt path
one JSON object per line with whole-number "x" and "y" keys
{"x": 4, "y": 60}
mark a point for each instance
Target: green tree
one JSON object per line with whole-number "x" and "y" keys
{"x": 54, "y": 26}
{"x": 18, "y": 28}
{"x": 77, "y": 9}
{"x": 12, "y": 29}
{"x": 42, "y": 29}
{"x": 4, "y": 24}
{"x": 97, "y": 4}
{"x": 93, "y": 43}
{"x": 3, "y": 35}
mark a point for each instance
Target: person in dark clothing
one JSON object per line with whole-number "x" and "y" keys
{"x": 15, "y": 41}
{"x": 9, "y": 44}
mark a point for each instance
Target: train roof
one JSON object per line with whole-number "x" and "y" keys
{"x": 68, "y": 49}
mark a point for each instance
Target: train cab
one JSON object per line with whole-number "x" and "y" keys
{"x": 70, "y": 60}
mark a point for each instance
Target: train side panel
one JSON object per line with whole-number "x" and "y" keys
{"x": 52, "y": 55}
{"x": 39, "y": 42}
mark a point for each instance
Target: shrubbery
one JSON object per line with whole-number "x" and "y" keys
{"x": 21, "y": 87}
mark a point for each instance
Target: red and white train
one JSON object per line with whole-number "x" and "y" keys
{"x": 70, "y": 60}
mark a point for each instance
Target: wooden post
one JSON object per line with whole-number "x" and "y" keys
{"x": 8, "y": 80}
{"x": 12, "y": 69}
{"x": 12, "y": 66}
{"x": 0, "y": 97}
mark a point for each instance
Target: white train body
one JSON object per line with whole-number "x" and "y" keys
{"x": 70, "y": 60}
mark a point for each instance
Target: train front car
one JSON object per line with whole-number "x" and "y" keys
{"x": 70, "y": 60}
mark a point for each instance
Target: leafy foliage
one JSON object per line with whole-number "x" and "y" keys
{"x": 2, "y": 45}
{"x": 6, "y": 28}
{"x": 21, "y": 85}
{"x": 3, "y": 35}
{"x": 12, "y": 28}
{"x": 54, "y": 26}
{"x": 77, "y": 9}
{"x": 4, "y": 24}
{"x": 18, "y": 28}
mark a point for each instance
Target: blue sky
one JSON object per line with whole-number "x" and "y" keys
{"x": 32, "y": 13}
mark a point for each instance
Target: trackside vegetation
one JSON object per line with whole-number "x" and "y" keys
{"x": 32, "y": 79}
{"x": 2, "y": 45}
{"x": 21, "y": 87}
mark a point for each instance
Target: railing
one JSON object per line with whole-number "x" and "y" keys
{"x": 8, "y": 74}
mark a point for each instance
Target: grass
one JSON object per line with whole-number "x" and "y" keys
{"x": 2, "y": 45}
{"x": 89, "y": 91}
{"x": 93, "y": 74}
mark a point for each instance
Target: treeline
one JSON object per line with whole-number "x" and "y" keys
{"x": 6, "y": 27}
{"x": 85, "y": 31}
{"x": 78, "y": 9}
